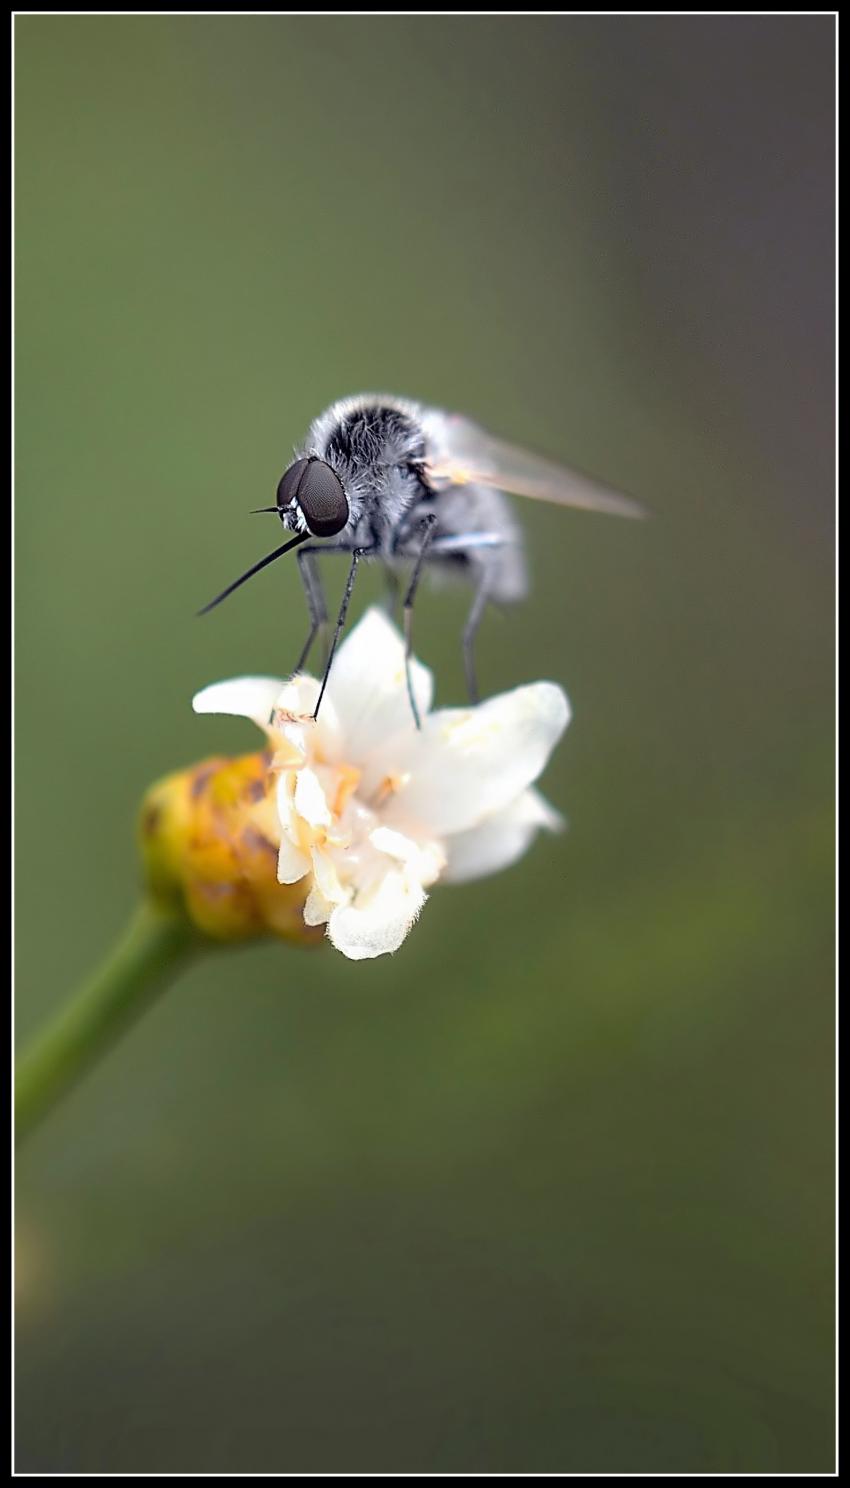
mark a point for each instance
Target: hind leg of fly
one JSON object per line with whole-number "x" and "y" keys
{"x": 392, "y": 591}
{"x": 465, "y": 543}
{"x": 428, "y": 524}
{"x": 315, "y": 596}
{"x": 476, "y": 611}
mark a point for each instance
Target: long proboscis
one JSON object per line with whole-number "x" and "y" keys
{"x": 263, "y": 563}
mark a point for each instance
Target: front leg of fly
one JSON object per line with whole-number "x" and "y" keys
{"x": 356, "y": 555}
{"x": 315, "y": 596}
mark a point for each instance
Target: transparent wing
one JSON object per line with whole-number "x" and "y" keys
{"x": 460, "y": 453}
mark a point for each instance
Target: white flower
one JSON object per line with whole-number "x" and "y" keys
{"x": 376, "y": 810}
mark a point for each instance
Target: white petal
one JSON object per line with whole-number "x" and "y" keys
{"x": 394, "y": 844}
{"x": 285, "y": 791}
{"x": 368, "y": 687}
{"x": 310, "y": 800}
{"x": 319, "y": 739}
{"x": 500, "y": 840}
{"x": 317, "y": 908}
{"x": 327, "y": 880}
{"x": 467, "y": 763}
{"x": 425, "y": 860}
{"x": 292, "y": 863}
{"x": 380, "y": 923}
{"x": 244, "y": 697}
{"x": 298, "y": 696}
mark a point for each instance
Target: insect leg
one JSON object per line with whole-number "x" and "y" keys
{"x": 473, "y": 621}
{"x": 463, "y": 543}
{"x": 315, "y": 596}
{"x": 391, "y": 581}
{"x": 428, "y": 524}
{"x": 466, "y": 542}
{"x": 356, "y": 555}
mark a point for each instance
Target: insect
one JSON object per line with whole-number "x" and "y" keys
{"x": 413, "y": 486}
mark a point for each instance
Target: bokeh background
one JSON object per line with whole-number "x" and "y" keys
{"x": 552, "y": 1188}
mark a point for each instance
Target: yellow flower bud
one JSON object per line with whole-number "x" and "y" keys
{"x": 210, "y": 837}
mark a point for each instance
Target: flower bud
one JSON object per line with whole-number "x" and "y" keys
{"x": 210, "y": 837}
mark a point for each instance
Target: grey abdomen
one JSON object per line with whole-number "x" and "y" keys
{"x": 479, "y": 512}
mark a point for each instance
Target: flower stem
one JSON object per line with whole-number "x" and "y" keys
{"x": 154, "y": 947}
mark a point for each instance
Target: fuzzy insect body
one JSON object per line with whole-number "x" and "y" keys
{"x": 415, "y": 487}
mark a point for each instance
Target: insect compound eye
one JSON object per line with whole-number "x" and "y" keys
{"x": 287, "y": 490}
{"x": 322, "y": 499}
{"x": 319, "y": 493}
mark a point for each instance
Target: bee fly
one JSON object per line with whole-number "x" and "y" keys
{"x": 383, "y": 477}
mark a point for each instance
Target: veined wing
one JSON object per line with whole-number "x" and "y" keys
{"x": 461, "y": 453}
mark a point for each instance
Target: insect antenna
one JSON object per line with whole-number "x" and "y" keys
{"x": 263, "y": 563}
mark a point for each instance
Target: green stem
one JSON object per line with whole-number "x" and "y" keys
{"x": 154, "y": 947}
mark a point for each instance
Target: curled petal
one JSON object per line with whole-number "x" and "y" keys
{"x": 292, "y": 863}
{"x": 317, "y": 909}
{"x": 394, "y": 844}
{"x": 284, "y": 794}
{"x": 425, "y": 860}
{"x": 327, "y": 880}
{"x": 310, "y": 802}
{"x": 501, "y": 839}
{"x": 378, "y": 924}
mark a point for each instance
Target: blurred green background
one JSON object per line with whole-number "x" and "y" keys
{"x": 550, "y": 1190}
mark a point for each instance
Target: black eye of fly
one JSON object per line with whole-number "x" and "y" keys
{"x": 287, "y": 490}
{"x": 319, "y": 492}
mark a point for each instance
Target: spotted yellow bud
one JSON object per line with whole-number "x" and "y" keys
{"x": 210, "y": 838}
